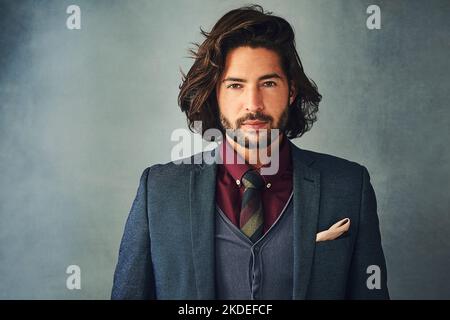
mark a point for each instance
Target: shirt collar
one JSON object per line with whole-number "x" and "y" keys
{"x": 237, "y": 168}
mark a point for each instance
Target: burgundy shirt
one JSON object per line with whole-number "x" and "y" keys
{"x": 275, "y": 194}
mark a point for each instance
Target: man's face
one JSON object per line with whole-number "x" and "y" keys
{"x": 253, "y": 94}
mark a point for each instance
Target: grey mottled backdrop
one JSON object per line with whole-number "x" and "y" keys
{"x": 83, "y": 112}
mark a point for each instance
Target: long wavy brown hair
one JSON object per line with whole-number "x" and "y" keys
{"x": 246, "y": 26}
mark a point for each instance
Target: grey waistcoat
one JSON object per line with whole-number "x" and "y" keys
{"x": 260, "y": 270}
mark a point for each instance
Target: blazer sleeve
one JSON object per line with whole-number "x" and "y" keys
{"x": 368, "y": 257}
{"x": 133, "y": 277}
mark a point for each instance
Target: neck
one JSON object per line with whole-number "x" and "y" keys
{"x": 251, "y": 154}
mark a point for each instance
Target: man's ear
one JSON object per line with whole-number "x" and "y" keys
{"x": 292, "y": 94}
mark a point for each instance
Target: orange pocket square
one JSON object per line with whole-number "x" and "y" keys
{"x": 334, "y": 231}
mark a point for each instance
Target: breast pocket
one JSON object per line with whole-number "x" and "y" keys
{"x": 331, "y": 258}
{"x": 330, "y": 269}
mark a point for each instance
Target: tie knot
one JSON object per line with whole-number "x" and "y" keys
{"x": 252, "y": 179}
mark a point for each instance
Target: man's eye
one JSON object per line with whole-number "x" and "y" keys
{"x": 269, "y": 84}
{"x": 234, "y": 86}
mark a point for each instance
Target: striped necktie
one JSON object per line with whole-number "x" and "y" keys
{"x": 251, "y": 218}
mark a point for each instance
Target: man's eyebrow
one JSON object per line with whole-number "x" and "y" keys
{"x": 264, "y": 77}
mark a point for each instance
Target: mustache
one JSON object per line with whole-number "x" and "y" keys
{"x": 254, "y": 116}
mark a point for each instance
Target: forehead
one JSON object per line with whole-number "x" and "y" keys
{"x": 247, "y": 61}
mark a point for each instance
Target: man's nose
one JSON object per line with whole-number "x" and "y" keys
{"x": 254, "y": 101}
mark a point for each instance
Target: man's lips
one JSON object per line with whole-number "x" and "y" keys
{"x": 254, "y": 124}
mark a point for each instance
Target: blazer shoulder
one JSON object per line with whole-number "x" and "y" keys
{"x": 176, "y": 168}
{"x": 330, "y": 164}
{"x": 346, "y": 175}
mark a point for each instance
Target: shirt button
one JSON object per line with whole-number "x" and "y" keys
{"x": 268, "y": 185}
{"x": 238, "y": 182}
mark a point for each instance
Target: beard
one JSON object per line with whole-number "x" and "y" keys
{"x": 259, "y": 138}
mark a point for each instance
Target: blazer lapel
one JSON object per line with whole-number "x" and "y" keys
{"x": 202, "y": 210}
{"x": 306, "y": 211}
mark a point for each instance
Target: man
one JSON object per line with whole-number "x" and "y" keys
{"x": 227, "y": 230}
